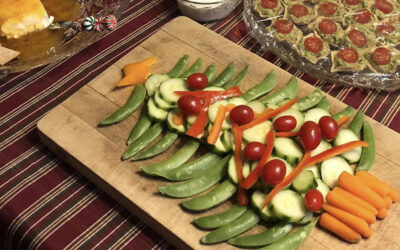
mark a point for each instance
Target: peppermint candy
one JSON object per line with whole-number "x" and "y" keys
{"x": 98, "y": 24}
{"x": 88, "y": 23}
{"x": 76, "y": 26}
{"x": 109, "y": 22}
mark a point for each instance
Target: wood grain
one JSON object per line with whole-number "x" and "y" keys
{"x": 71, "y": 131}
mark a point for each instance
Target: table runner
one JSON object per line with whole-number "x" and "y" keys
{"x": 44, "y": 202}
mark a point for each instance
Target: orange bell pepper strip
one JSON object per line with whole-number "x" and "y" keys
{"x": 238, "y": 133}
{"x": 216, "y": 127}
{"x": 229, "y": 107}
{"x": 137, "y": 73}
{"x": 198, "y": 126}
{"x": 342, "y": 120}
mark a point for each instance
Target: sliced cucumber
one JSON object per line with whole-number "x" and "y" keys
{"x": 345, "y": 136}
{"x": 168, "y": 88}
{"x": 160, "y": 103}
{"x": 213, "y": 111}
{"x": 258, "y": 132}
{"x": 226, "y": 139}
{"x": 153, "y": 82}
{"x": 289, "y": 206}
{"x": 190, "y": 119}
{"x": 315, "y": 114}
{"x": 237, "y": 101}
{"x": 315, "y": 170}
{"x": 304, "y": 181}
{"x": 322, "y": 146}
{"x": 332, "y": 168}
{"x": 296, "y": 114}
{"x": 323, "y": 188}
{"x": 288, "y": 149}
{"x": 257, "y": 200}
{"x": 219, "y": 147}
{"x": 232, "y": 169}
{"x": 170, "y": 122}
{"x": 156, "y": 113}
{"x": 257, "y": 106}
{"x": 213, "y": 88}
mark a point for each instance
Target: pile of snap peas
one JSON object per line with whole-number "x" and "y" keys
{"x": 196, "y": 176}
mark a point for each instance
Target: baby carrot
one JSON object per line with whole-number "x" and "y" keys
{"x": 354, "y": 186}
{"x": 388, "y": 201}
{"x": 380, "y": 189}
{"x": 382, "y": 213}
{"x": 352, "y": 198}
{"x": 330, "y": 223}
{"x": 336, "y": 200}
{"x": 393, "y": 194}
{"x": 350, "y": 220}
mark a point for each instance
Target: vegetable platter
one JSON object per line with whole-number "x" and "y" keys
{"x": 72, "y": 130}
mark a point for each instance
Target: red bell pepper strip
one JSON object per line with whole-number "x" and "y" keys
{"x": 237, "y": 132}
{"x": 256, "y": 173}
{"x": 269, "y": 114}
{"x": 199, "y": 94}
{"x": 342, "y": 120}
{"x": 242, "y": 197}
{"x": 231, "y": 92}
{"x": 286, "y": 134}
{"x": 198, "y": 126}
{"x": 216, "y": 127}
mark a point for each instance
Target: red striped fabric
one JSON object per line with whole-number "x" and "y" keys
{"x": 44, "y": 203}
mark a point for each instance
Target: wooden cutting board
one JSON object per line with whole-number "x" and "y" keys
{"x": 70, "y": 130}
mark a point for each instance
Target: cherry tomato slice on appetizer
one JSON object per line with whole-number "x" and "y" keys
{"x": 269, "y": 4}
{"x": 348, "y": 55}
{"x": 298, "y": 10}
{"x": 284, "y": 26}
{"x": 358, "y": 38}
{"x": 241, "y": 114}
{"x": 313, "y": 44}
{"x": 285, "y": 123}
{"x": 274, "y": 172}
{"x": 197, "y": 81}
{"x": 327, "y": 26}
{"x": 385, "y": 29}
{"x": 384, "y": 6}
{"x": 353, "y": 2}
{"x": 329, "y": 127}
{"x": 328, "y": 8}
{"x": 362, "y": 16}
{"x": 310, "y": 135}
{"x": 382, "y": 56}
{"x": 313, "y": 200}
{"x": 189, "y": 104}
{"x": 254, "y": 151}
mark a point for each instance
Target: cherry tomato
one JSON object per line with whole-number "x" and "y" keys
{"x": 254, "y": 151}
{"x": 269, "y": 4}
{"x": 313, "y": 200}
{"x": 384, "y": 6}
{"x": 197, "y": 81}
{"x": 313, "y": 44}
{"x": 329, "y": 127}
{"x": 328, "y": 8}
{"x": 241, "y": 114}
{"x": 358, "y": 38}
{"x": 274, "y": 172}
{"x": 385, "y": 29}
{"x": 189, "y": 104}
{"x": 298, "y": 10}
{"x": 349, "y": 55}
{"x": 285, "y": 123}
{"x": 363, "y": 16}
{"x": 284, "y": 26}
{"x": 353, "y": 2}
{"x": 327, "y": 26}
{"x": 382, "y": 56}
{"x": 310, "y": 135}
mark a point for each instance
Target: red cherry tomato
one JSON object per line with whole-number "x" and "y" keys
{"x": 269, "y": 4}
{"x": 313, "y": 44}
{"x": 327, "y": 26}
{"x": 197, "y": 81}
{"x": 313, "y": 200}
{"x": 241, "y": 114}
{"x": 353, "y": 2}
{"x": 384, "y": 6}
{"x": 310, "y": 135}
{"x": 382, "y": 56}
{"x": 189, "y": 104}
{"x": 298, "y": 10}
{"x": 285, "y": 123}
{"x": 329, "y": 127}
{"x": 362, "y": 16}
{"x": 358, "y": 38}
{"x": 254, "y": 151}
{"x": 284, "y": 26}
{"x": 328, "y": 8}
{"x": 386, "y": 29}
{"x": 349, "y": 55}
{"x": 274, "y": 172}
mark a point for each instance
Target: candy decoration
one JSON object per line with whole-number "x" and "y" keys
{"x": 98, "y": 24}
{"x": 109, "y": 22}
{"x": 88, "y": 23}
{"x": 76, "y": 26}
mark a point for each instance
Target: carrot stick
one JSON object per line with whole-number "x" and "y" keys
{"x": 286, "y": 134}
{"x": 393, "y": 194}
{"x": 354, "y": 186}
{"x": 380, "y": 189}
{"x": 354, "y": 199}
{"x": 382, "y": 213}
{"x": 330, "y": 223}
{"x": 288, "y": 179}
{"x": 336, "y": 200}
{"x": 238, "y": 133}
{"x": 269, "y": 114}
{"x": 229, "y": 107}
{"x": 216, "y": 127}
{"x": 388, "y": 201}
{"x": 342, "y": 120}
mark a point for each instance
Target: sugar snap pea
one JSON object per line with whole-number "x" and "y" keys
{"x": 135, "y": 100}
{"x": 238, "y": 78}
{"x": 192, "y": 168}
{"x": 348, "y": 111}
{"x": 310, "y": 101}
{"x": 264, "y": 87}
{"x": 368, "y": 153}
{"x": 292, "y": 240}
{"x": 210, "y": 72}
{"x": 230, "y": 230}
{"x": 357, "y": 122}
{"x": 139, "y": 129}
{"x": 218, "y": 195}
{"x": 179, "y": 67}
{"x": 267, "y": 237}
{"x": 224, "y": 76}
{"x": 324, "y": 104}
{"x": 143, "y": 141}
{"x": 194, "y": 68}
{"x": 289, "y": 91}
{"x": 168, "y": 139}
{"x": 220, "y": 219}
{"x": 197, "y": 184}
{"x": 177, "y": 159}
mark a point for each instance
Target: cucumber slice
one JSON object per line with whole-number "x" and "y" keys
{"x": 156, "y": 113}
{"x": 212, "y": 114}
{"x": 257, "y": 200}
{"x": 258, "y": 132}
{"x": 289, "y": 206}
{"x": 153, "y": 82}
{"x": 315, "y": 114}
{"x": 296, "y": 114}
{"x": 257, "y": 106}
{"x": 332, "y": 168}
{"x": 315, "y": 170}
{"x": 219, "y": 147}
{"x": 190, "y": 119}
{"x": 345, "y": 136}
{"x": 323, "y": 188}
{"x": 322, "y": 146}
{"x": 226, "y": 139}
{"x": 304, "y": 181}
{"x": 288, "y": 149}
{"x": 171, "y": 125}
{"x": 213, "y": 88}
{"x": 232, "y": 169}
{"x": 160, "y": 103}
{"x": 238, "y": 101}
{"x": 168, "y": 88}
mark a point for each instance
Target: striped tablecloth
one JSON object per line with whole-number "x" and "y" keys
{"x": 44, "y": 203}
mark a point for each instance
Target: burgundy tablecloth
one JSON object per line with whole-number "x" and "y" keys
{"x": 44, "y": 203}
